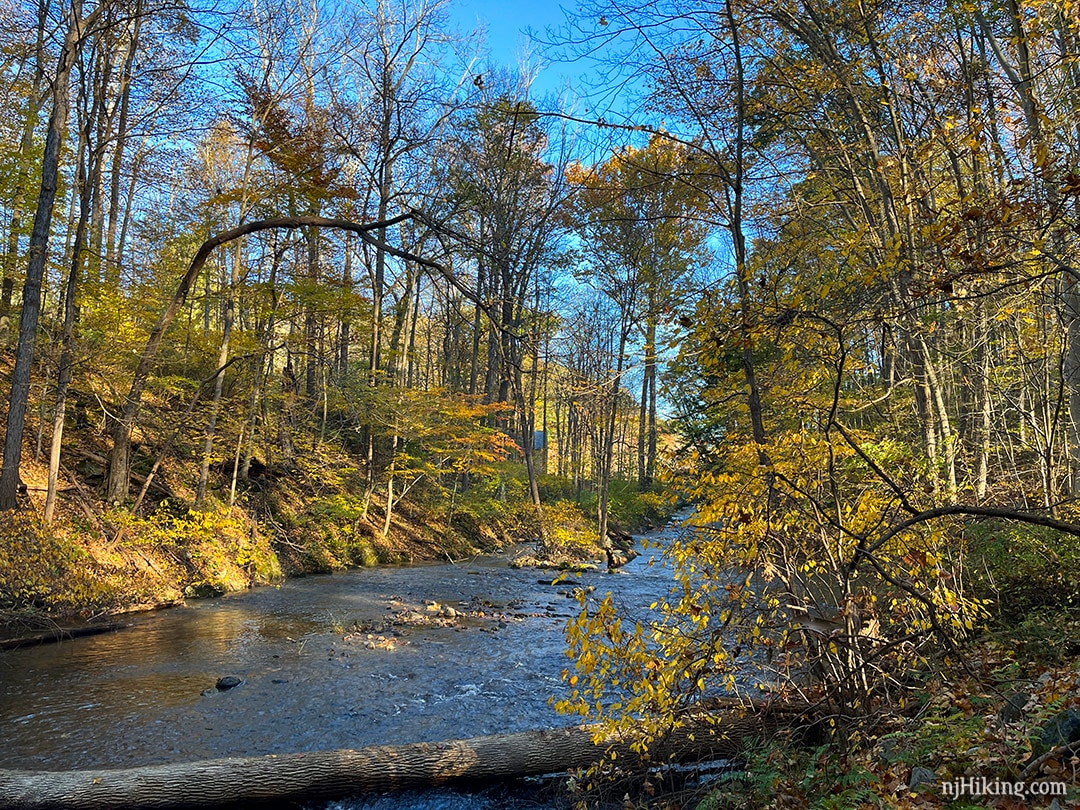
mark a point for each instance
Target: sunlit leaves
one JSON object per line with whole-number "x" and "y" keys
{"x": 437, "y": 432}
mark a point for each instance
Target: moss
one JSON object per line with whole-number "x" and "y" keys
{"x": 337, "y": 533}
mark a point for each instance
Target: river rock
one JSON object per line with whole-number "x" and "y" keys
{"x": 228, "y": 682}
{"x": 921, "y": 776}
{"x": 1013, "y": 710}
{"x": 203, "y": 590}
{"x": 888, "y": 750}
{"x": 1061, "y": 729}
{"x": 617, "y": 558}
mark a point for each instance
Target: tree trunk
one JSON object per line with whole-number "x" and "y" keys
{"x": 264, "y": 368}
{"x": 643, "y": 418}
{"x": 312, "y": 325}
{"x": 245, "y": 781}
{"x": 394, "y": 365}
{"x": 91, "y": 156}
{"x": 607, "y": 447}
{"x": 346, "y": 318}
{"x": 410, "y": 349}
{"x": 937, "y": 403}
{"x": 388, "y": 516}
{"x": 26, "y": 144}
{"x": 738, "y": 239}
{"x": 474, "y": 357}
{"x": 39, "y": 251}
{"x": 112, "y": 256}
{"x": 983, "y": 405}
{"x": 223, "y": 358}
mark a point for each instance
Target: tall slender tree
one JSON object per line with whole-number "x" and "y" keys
{"x": 78, "y": 29}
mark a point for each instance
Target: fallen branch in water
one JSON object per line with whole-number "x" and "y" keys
{"x": 58, "y": 634}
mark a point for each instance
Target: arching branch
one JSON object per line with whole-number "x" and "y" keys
{"x": 121, "y": 433}
{"x": 959, "y": 509}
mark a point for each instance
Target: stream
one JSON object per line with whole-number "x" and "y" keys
{"x": 368, "y": 657}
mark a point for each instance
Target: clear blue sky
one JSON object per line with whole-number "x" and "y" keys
{"x": 507, "y": 21}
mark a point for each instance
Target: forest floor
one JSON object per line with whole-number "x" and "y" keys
{"x": 996, "y": 725}
{"x": 986, "y": 732}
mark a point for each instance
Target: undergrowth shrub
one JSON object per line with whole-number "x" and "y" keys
{"x": 1023, "y": 567}
{"x": 44, "y": 569}
{"x": 786, "y": 774}
{"x": 569, "y": 534}
{"x": 338, "y": 534}
{"x": 491, "y": 511}
{"x": 632, "y": 508}
{"x": 215, "y": 551}
{"x": 554, "y": 488}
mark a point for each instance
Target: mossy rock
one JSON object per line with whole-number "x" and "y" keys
{"x": 203, "y": 590}
{"x": 1062, "y": 729}
{"x": 362, "y": 553}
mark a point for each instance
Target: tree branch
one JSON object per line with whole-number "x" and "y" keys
{"x": 960, "y": 509}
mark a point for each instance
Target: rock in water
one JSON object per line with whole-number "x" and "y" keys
{"x": 617, "y": 558}
{"x": 228, "y": 682}
{"x": 624, "y": 541}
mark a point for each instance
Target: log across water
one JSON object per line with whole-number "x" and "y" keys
{"x": 58, "y": 635}
{"x": 330, "y": 774}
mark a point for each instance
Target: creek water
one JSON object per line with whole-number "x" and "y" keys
{"x": 373, "y": 656}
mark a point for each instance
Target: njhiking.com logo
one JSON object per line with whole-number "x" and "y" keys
{"x": 981, "y": 786}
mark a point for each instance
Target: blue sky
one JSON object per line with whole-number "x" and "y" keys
{"x": 507, "y": 21}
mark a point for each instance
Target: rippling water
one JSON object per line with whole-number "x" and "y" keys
{"x": 312, "y": 680}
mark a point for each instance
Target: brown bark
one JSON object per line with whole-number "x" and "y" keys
{"x": 58, "y": 635}
{"x": 325, "y": 774}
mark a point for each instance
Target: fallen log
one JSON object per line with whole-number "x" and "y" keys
{"x": 335, "y": 774}
{"x": 97, "y": 458}
{"x": 59, "y": 634}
